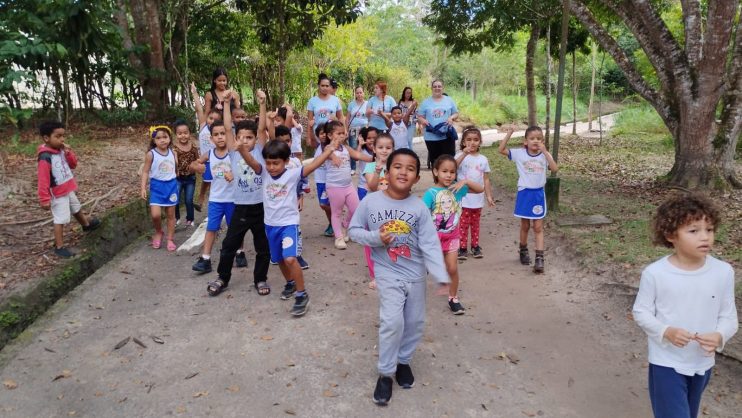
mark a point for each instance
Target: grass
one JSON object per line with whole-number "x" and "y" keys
{"x": 27, "y": 146}
{"x": 617, "y": 178}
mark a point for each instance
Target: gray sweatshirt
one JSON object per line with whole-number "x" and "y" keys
{"x": 415, "y": 246}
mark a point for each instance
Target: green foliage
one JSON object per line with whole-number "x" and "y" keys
{"x": 641, "y": 119}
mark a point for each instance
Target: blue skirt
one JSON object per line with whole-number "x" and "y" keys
{"x": 206, "y": 176}
{"x": 163, "y": 193}
{"x": 530, "y": 204}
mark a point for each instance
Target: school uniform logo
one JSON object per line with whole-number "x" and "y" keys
{"x": 166, "y": 167}
{"x": 219, "y": 169}
{"x": 534, "y": 167}
{"x": 438, "y": 113}
{"x": 276, "y": 191}
{"x": 247, "y": 180}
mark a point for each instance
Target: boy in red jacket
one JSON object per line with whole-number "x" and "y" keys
{"x": 57, "y": 184}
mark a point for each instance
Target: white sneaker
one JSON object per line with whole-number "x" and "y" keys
{"x": 340, "y": 243}
{"x": 177, "y": 222}
{"x": 346, "y": 237}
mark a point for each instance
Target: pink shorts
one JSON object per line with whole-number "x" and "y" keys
{"x": 449, "y": 241}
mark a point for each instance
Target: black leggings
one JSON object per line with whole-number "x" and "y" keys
{"x": 245, "y": 218}
{"x": 438, "y": 148}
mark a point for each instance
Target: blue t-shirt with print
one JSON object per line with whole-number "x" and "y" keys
{"x": 323, "y": 109}
{"x": 435, "y": 112}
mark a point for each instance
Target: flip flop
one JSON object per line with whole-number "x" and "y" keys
{"x": 171, "y": 245}
{"x": 157, "y": 240}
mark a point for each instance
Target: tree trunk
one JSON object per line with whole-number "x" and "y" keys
{"x": 574, "y": 94}
{"x": 151, "y": 70}
{"x": 473, "y": 91}
{"x": 592, "y": 89}
{"x": 548, "y": 86}
{"x": 530, "y": 79}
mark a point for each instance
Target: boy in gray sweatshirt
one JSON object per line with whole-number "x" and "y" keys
{"x": 404, "y": 247}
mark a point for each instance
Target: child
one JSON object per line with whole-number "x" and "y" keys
{"x": 205, "y": 120}
{"x": 398, "y": 227}
{"x": 366, "y": 146}
{"x": 685, "y": 305}
{"x": 444, "y": 202}
{"x": 57, "y": 185}
{"x": 339, "y": 181}
{"x": 282, "y": 133}
{"x": 531, "y": 161}
{"x": 248, "y": 205}
{"x": 285, "y": 116}
{"x": 186, "y": 154}
{"x": 375, "y": 175}
{"x": 398, "y": 126}
{"x": 221, "y": 198}
{"x": 282, "y": 212}
{"x": 320, "y": 176}
{"x": 473, "y": 166}
{"x": 160, "y": 164}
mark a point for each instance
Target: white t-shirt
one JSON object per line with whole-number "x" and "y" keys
{"x": 699, "y": 301}
{"x": 531, "y": 168}
{"x": 338, "y": 176}
{"x": 474, "y": 168}
{"x": 163, "y": 166}
{"x": 221, "y": 190}
{"x": 280, "y": 202}
{"x": 249, "y": 185}
{"x": 320, "y": 174}
{"x": 296, "y": 132}
{"x": 399, "y": 133}
{"x": 323, "y": 109}
{"x": 204, "y": 140}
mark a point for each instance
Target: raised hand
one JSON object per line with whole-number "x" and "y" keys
{"x": 260, "y": 94}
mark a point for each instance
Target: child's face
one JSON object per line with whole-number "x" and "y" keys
{"x": 472, "y": 142}
{"x": 162, "y": 140}
{"x": 446, "y": 173}
{"x": 238, "y": 116}
{"x": 338, "y": 134}
{"x": 56, "y": 139}
{"x": 382, "y": 149}
{"x": 371, "y": 137}
{"x": 246, "y": 136}
{"x": 533, "y": 141}
{"x": 183, "y": 134}
{"x": 219, "y": 137}
{"x": 402, "y": 174}
{"x": 221, "y": 82}
{"x": 693, "y": 239}
{"x": 284, "y": 138}
{"x": 396, "y": 115}
{"x": 279, "y": 120}
{"x": 275, "y": 166}
{"x": 212, "y": 117}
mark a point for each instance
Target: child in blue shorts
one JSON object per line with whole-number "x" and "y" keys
{"x": 531, "y": 160}
{"x": 319, "y": 180}
{"x": 281, "y": 210}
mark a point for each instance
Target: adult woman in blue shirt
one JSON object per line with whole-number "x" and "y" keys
{"x": 437, "y": 109}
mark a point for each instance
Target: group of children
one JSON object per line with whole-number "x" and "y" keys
{"x": 685, "y": 301}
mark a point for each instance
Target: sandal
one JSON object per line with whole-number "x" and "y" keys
{"x": 157, "y": 240}
{"x": 216, "y": 287}
{"x": 263, "y": 288}
{"x": 171, "y": 245}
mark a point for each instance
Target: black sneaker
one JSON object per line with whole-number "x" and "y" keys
{"x": 92, "y": 225}
{"x": 404, "y": 376}
{"x": 476, "y": 252}
{"x": 538, "y": 265}
{"x": 301, "y": 304}
{"x": 383, "y": 391}
{"x": 202, "y": 265}
{"x": 288, "y": 290}
{"x": 462, "y": 254}
{"x": 525, "y": 258}
{"x": 63, "y": 252}
{"x": 302, "y": 263}
{"x": 240, "y": 260}
{"x": 456, "y": 307}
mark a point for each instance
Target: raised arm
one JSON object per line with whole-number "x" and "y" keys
{"x": 249, "y": 159}
{"x": 209, "y": 101}
{"x": 502, "y": 148}
{"x": 271, "y": 123}
{"x": 549, "y": 159}
{"x": 372, "y": 179}
{"x": 317, "y": 162}
{"x": 312, "y": 140}
{"x": 410, "y": 111}
{"x": 262, "y": 135}
{"x": 358, "y": 155}
{"x": 387, "y": 120}
{"x": 200, "y": 114}
{"x": 231, "y": 143}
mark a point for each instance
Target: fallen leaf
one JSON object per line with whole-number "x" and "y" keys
{"x": 200, "y": 394}
{"x": 192, "y": 375}
{"x": 138, "y": 342}
{"x": 180, "y": 409}
{"x": 158, "y": 340}
{"x": 65, "y": 374}
{"x": 233, "y": 389}
{"x": 266, "y": 337}
{"x": 122, "y": 343}
{"x": 10, "y": 384}
{"x": 529, "y": 413}
{"x": 289, "y": 411}
{"x": 329, "y": 394}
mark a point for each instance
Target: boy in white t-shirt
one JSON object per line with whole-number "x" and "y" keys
{"x": 282, "y": 217}
{"x": 531, "y": 161}
{"x": 685, "y": 305}
{"x": 397, "y": 125}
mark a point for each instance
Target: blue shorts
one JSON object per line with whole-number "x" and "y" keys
{"x": 207, "y": 177}
{"x": 322, "y": 195}
{"x": 163, "y": 193}
{"x": 530, "y": 204}
{"x": 362, "y": 193}
{"x": 283, "y": 241}
{"x": 217, "y": 210}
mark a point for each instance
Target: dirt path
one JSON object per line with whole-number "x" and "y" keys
{"x": 527, "y": 346}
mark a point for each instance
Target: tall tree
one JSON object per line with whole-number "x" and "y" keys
{"x": 695, "y": 75}
{"x": 286, "y": 25}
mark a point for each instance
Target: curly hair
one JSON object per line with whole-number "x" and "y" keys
{"x": 681, "y": 209}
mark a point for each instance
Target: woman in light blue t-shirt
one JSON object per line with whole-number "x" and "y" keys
{"x": 323, "y": 107}
{"x": 437, "y": 109}
{"x": 356, "y": 120}
{"x": 380, "y": 102}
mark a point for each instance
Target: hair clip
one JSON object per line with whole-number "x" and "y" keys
{"x": 153, "y": 130}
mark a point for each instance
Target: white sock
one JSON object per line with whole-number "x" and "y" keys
{"x": 206, "y": 256}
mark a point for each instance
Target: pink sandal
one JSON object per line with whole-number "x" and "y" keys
{"x": 157, "y": 240}
{"x": 171, "y": 245}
